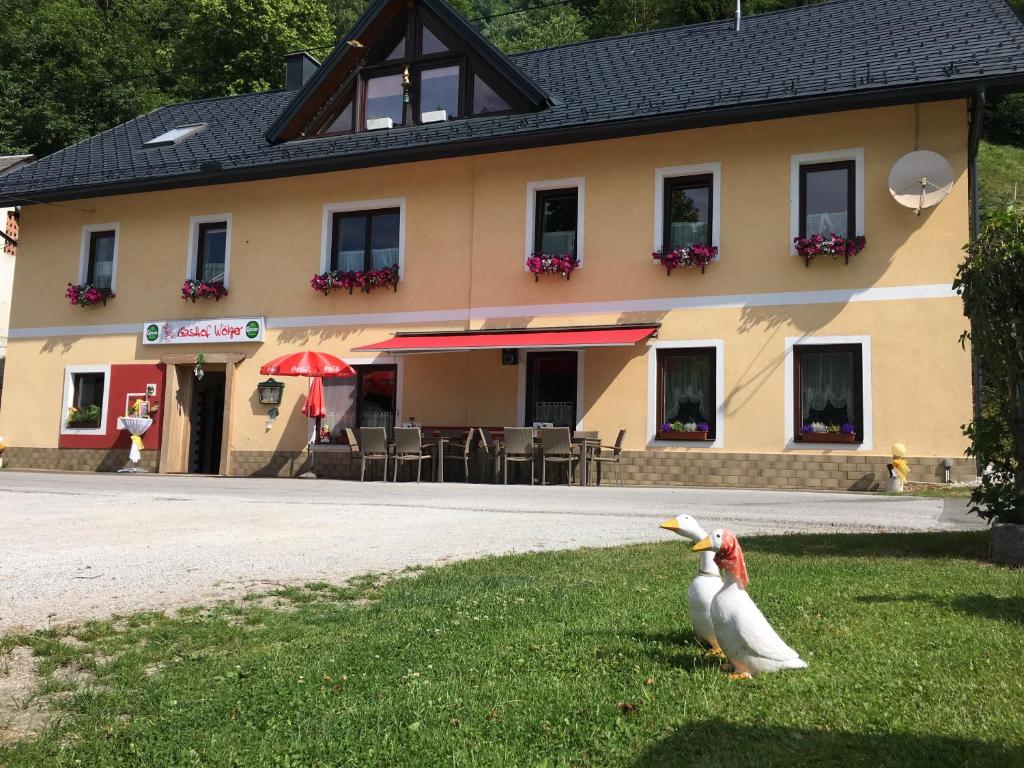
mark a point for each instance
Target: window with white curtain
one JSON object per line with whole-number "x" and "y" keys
{"x": 367, "y": 399}
{"x": 686, "y": 386}
{"x": 829, "y": 386}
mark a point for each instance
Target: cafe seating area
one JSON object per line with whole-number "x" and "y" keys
{"x": 508, "y": 455}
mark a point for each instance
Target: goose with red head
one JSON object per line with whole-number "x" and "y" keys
{"x": 750, "y": 643}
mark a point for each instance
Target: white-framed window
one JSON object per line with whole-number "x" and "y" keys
{"x": 371, "y": 398}
{"x": 687, "y": 206}
{"x": 87, "y": 392}
{"x": 364, "y": 234}
{"x": 97, "y": 263}
{"x": 826, "y": 194}
{"x": 828, "y": 382}
{"x": 209, "y": 248}
{"x": 686, "y": 381}
{"x": 554, "y": 218}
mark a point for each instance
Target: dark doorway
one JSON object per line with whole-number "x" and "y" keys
{"x": 551, "y": 388}
{"x": 207, "y": 423}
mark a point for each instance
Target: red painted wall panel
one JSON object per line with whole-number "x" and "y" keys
{"x": 125, "y": 379}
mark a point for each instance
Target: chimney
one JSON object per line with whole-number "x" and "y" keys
{"x": 298, "y": 68}
{"x": 739, "y": 14}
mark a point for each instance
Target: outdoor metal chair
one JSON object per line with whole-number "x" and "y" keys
{"x": 374, "y": 444}
{"x": 464, "y": 454}
{"x": 519, "y": 449}
{"x": 615, "y": 459}
{"x": 409, "y": 447}
{"x": 556, "y": 447}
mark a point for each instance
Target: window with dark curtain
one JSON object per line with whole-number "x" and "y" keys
{"x": 826, "y": 199}
{"x": 687, "y": 212}
{"x": 828, "y": 386}
{"x": 557, "y": 216}
{"x": 211, "y": 253}
{"x": 686, "y": 386}
{"x": 100, "y": 271}
{"x": 365, "y": 240}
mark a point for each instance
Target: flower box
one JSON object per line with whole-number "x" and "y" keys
{"x": 818, "y": 432}
{"x": 829, "y": 437}
{"x": 674, "y": 435}
{"x": 678, "y": 430}
{"x": 366, "y": 281}
{"x": 201, "y": 289}
{"x": 835, "y": 246}
{"x": 547, "y": 264}
{"x": 86, "y": 295}
{"x": 694, "y": 256}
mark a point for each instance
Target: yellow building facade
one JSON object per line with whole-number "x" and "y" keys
{"x": 467, "y": 226}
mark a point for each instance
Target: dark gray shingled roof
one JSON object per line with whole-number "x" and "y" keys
{"x": 834, "y": 55}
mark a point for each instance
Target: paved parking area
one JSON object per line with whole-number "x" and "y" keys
{"x": 75, "y": 546}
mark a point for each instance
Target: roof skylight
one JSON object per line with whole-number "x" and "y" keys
{"x": 175, "y": 135}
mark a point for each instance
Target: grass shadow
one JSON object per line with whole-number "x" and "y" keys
{"x": 716, "y": 743}
{"x": 1009, "y": 609}
{"x": 971, "y": 545}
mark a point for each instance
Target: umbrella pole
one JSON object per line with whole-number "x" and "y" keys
{"x": 310, "y": 474}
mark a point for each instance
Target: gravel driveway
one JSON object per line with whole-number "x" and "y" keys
{"x": 76, "y": 546}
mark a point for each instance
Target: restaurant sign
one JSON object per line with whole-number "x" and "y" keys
{"x": 216, "y": 331}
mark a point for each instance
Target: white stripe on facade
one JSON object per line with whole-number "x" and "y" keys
{"x": 735, "y": 301}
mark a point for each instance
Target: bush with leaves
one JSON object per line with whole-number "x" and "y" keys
{"x": 991, "y": 283}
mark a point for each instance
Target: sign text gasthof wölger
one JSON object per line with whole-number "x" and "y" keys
{"x": 220, "y": 330}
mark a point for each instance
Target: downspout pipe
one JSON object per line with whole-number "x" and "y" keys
{"x": 977, "y": 111}
{"x": 973, "y": 142}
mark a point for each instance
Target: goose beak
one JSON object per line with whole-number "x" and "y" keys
{"x": 703, "y": 545}
{"x": 670, "y": 525}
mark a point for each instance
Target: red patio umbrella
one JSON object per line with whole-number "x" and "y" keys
{"x": 312, "y": 364}
{"x": 314, "y": 407}
{"x": 315, "y": 365}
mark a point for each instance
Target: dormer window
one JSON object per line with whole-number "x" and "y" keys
{"x": 175, "y": 135}
{"x": 417, "y": 71}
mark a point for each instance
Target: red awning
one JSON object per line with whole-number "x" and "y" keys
{"x": 564, "y": 338}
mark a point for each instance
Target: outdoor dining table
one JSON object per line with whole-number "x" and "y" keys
{"x": 585, "y": 446}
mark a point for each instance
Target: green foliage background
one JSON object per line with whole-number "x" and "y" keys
{"x": 72, "y": 68}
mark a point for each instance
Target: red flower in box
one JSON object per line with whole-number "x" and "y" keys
{"x": 544, "y": 263}
{"x": 696, "y": 255}
{"x": 831, "y": 245}
{"x": 365, "y": 280}
{"x": 201, "y": 289}
{"x": 86, "y": 295}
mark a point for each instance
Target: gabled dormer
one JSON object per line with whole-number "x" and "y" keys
{"x": 405, "y": 63}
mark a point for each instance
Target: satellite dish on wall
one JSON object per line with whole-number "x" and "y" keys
{"x": 920, "y": 180}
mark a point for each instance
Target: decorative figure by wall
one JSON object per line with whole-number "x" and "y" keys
{"x": 705, "y": 585}
{"x": 749, "y": 642}
{"x": 898, "y": 469}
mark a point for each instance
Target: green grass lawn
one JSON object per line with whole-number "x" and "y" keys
{"x": 916, "y": 651}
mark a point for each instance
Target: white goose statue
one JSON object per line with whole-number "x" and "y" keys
{"x": 705, "y": 585}
{"x": 744, "y": 634}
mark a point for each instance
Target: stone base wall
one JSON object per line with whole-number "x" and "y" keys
{"x": 76, "y": 459}
{"x": 847, "y": 471}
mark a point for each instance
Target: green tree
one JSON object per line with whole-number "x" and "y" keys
{"x": 237, "y": 46}
{"x": 991, "y": 283}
